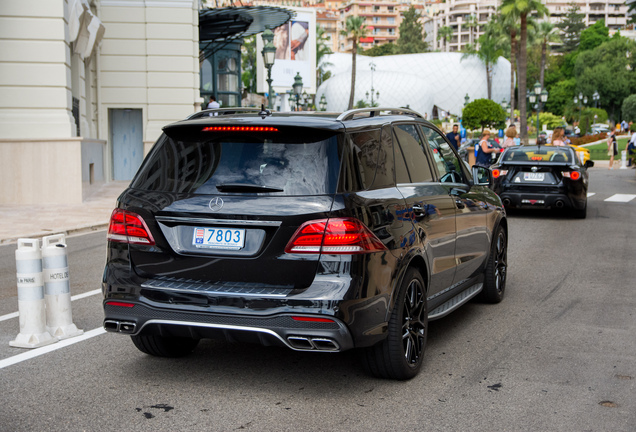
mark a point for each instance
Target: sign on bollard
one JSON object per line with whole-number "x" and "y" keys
{"x": 57, "y": 289}
{"x": 624, "y": 159}
{"x": 31, "y": 305}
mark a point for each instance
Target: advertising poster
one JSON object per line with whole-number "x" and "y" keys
{"x": 295, "y": 43}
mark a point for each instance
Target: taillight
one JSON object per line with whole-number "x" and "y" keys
{"x": 496, "y": 173}
{"x": 572, "y": 175}
{"x": 120, "y": 304}
{"x": 334, "y": 236}
{"x": 312, "y": 319}
{"x": 128, "y": 227}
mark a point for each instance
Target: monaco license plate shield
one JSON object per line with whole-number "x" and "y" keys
{"x": 533, "y": 176}
{"x": 218, "y": 238}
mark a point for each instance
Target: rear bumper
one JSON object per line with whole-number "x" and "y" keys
{"x": 279, "y": 329}
{"x": 541, "y": 200}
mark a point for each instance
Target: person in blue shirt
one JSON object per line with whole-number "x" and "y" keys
{"x": 453, "y": 136}
{"x": 484, "y": 150}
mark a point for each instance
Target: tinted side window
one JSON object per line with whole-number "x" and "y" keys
{"x": 412, "y": 150}
{"x": 448, "y": 165}
{"x": 369, "y": 162}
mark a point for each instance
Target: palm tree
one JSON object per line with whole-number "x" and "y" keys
{"x": 488, "y": 52}
{"x": 322, "y": 50}
{"x": 546, "y": 33}
{"x": 472, "y": 24}
{"x": 445, "y": 33}
{"x": 509, "y": 24}
{"x": 523, "y": 8}
{"x": 354, "y": 30}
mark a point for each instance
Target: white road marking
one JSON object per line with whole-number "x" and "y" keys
{"x": 621, "y": 198}
{"x": 36, "y": 352}
{"x": 73, "y": 298}
{"x": 589, "y": 194}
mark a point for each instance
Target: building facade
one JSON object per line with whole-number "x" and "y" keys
{"x": 85, "y": 88}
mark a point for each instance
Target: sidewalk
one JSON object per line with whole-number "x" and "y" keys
{"x": 35, "y": 221}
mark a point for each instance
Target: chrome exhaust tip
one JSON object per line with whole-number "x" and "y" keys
{"x": 111, "y": 326}
{"x": 324, "y": 344}
{"x": 559, "y": 204}
{"x": 300, "y": 342}
{"x": 506, "y": 202}
{"x": 127, "y": 327}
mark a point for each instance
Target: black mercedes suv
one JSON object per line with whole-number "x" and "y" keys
{"x": 315, "y": 231}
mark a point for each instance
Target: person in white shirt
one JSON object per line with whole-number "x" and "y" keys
{"x": 213, "y": 104}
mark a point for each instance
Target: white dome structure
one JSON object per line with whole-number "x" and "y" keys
{"x": 421, "y": 81}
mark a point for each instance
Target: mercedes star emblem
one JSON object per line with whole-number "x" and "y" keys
{"x": 216, "y": 204}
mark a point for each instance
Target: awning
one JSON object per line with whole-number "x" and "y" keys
{"x": 230, "y": 23}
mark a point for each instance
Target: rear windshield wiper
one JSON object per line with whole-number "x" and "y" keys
{"x": 242, "y": 187}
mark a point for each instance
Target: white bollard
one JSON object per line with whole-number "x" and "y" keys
{"x": 57, "y": 288}
{"x": 28, "y": 260}
{"x": 624, "y": 159}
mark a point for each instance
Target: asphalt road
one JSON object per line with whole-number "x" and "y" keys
{"x": 558, "y": 354}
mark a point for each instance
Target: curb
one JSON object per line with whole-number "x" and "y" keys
{"x": 69, "y": 231}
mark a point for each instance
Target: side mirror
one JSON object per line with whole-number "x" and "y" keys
{"x": 589, "y": 163}
{"x": 481, "y": 176}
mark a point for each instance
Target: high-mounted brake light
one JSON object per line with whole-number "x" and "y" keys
{"x": 334, "y": 236}
{"x": 240, "y": 129}
{"x": 572, "y": 175}
{"x": 128, "y": 227}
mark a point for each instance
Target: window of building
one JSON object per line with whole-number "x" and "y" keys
{"x": 391, "y": 20}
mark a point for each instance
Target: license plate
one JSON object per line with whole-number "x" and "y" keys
{"x": 531, "y": 176}
{"x": 219, "y": 238}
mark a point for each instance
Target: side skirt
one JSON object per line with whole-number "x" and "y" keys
{"x": 455, "y": 302}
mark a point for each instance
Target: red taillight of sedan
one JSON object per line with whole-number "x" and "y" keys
{"x": 572, "y": 175}
{"x": 128, "y": 227}
{"x": 334, "y": 236}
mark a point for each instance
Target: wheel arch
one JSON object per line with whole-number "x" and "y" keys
{"x": 416, "y": 261}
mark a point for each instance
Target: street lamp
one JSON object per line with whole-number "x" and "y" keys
{"x": 298, "y": 89}
{"x": 323, "y": 103}
{"x": 540, "y": 96}
{"x": 269, "y": 55}
{"x": 466, "y": 99}
{"x": 596, "y": 97}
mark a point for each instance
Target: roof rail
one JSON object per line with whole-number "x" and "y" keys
{"x": 375, "y": 111}
{"x": 222, "y": 111}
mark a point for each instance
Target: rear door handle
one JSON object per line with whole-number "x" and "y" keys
{"x": 418, "y": 211}
{"x": 459, "y": 203}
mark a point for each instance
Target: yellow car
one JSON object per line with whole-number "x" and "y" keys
{"x": 582, "y": 152}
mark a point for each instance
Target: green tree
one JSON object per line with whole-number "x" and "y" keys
{"x": 248, "y": 64}
{"x": 322, "y": 50}
{"x": 509, "y": 25}
{"x": 608, "y": 69}
{"x": 412, "y": 34}
{"x": 381, "y": 50}
{"x": 354, "y": 30}
{"x": 482, "y": 113}
{"x": 628, "y": 109}
{"x": 488, "y": 53}
{"x": 571, "y": 26}
{"x": 445, "y": 33}
{"x": 523, "y": 8}
{"x": 471, "y": 22}
{"x": 546, "y": 34}
{"x": 594, "y": 36}
{"x": 560, "y": 96}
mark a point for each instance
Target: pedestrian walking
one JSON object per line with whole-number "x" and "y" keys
{"x": 213, "y": 104}
{"x": 557, "y": 137}
{"x": 612, "y": 147}
{"x": 511, "y": 134}
{"x": 485, "y": 150}
{"x": 453, "y": 136}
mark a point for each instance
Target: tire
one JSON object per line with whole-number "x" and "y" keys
{"x": 580, "y": 213}
{"x": 400, "y": 355}
{"x": 496, "y": 271}
{"x": 161, "y": 346}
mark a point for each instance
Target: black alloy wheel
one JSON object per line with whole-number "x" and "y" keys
{"x": 400, "y": 355}
{"x": 496, "y": 269}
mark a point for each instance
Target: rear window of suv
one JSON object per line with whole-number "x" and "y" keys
{"x": 284, "y": 163}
